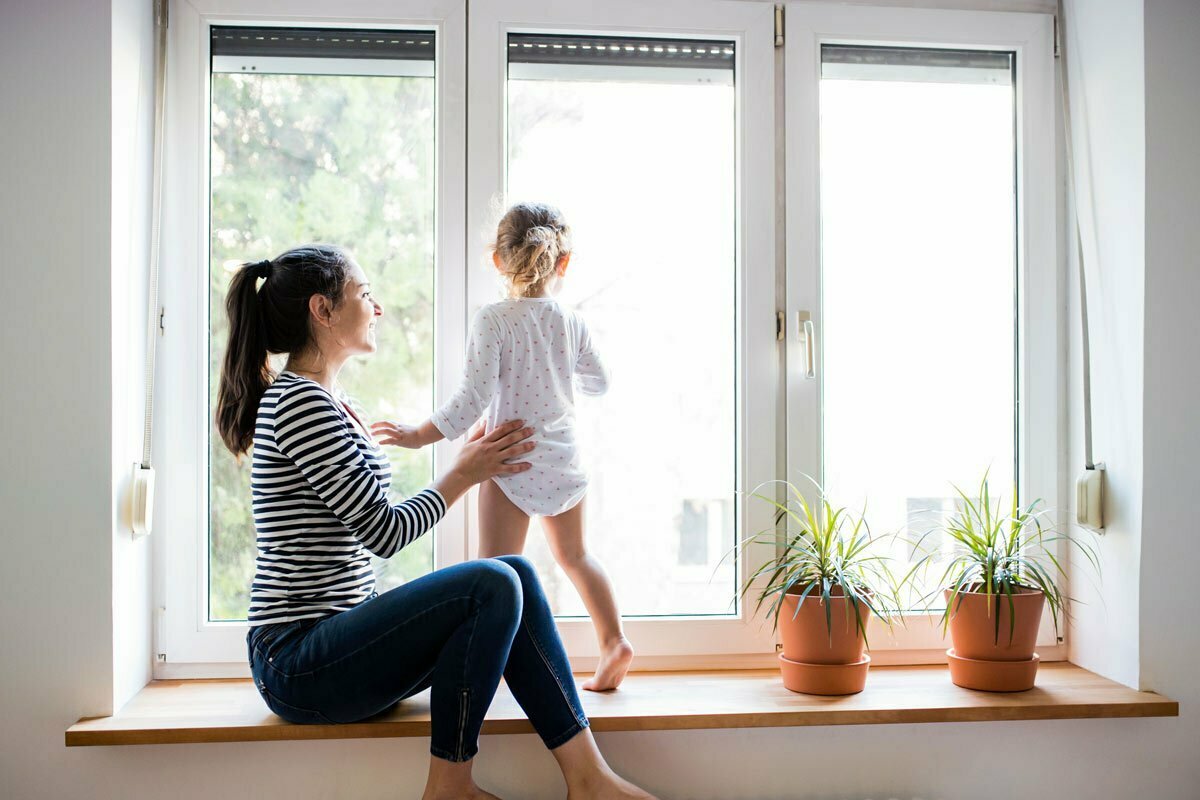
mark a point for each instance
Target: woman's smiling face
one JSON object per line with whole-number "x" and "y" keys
{"x": 353, "y": 322}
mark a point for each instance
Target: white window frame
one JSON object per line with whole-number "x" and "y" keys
{"x": 662, "y": 642}
{"x": 1041, "y": 356}
{"x": 186, "y": 643}
{"x": 470, "y": 172}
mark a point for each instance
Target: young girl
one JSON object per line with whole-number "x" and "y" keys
{"x": 526, "y": 358}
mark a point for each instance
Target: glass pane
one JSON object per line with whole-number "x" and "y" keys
{"x": 918, "y": 275}
{"x": 643, "y": 169}
{"x": 343, "y": 159}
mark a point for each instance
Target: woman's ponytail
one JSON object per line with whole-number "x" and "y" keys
{"x": 270, "y": 320}
{"x": 246, "y": 373}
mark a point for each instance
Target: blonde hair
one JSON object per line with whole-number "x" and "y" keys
{"x": 530, "y": 239}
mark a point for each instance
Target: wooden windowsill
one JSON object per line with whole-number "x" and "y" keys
{"x": 194, "y": 711}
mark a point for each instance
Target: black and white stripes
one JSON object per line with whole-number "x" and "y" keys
{"x": 319, "y": 489}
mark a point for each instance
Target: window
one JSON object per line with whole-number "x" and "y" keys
{"x": 326, "y": 130}
{"x": 324, "y": 135}
{"x": 652, "y": 126}
{"x": 656, "y": 144}
{"x": 921, "y": 252}
{"x": 634, "y": 140}
{"x": 938, "y": 273}
{"x": 284, "y": 129}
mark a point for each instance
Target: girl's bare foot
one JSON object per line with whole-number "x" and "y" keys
{"x": 614, "y": 663}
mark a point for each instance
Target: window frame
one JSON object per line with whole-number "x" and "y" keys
{"x": 186, "y": 643}
{"x": 679, "y": 641}
{"x": 470, "y": 162}
{"x": 1041, "y": 354}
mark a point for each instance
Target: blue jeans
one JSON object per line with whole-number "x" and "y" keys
{"x": 455, "y": 630}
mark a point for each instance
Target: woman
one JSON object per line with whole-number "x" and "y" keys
{"x": 323, "y": 646}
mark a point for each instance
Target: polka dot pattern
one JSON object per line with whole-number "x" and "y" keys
{"x": 525, "y": 359}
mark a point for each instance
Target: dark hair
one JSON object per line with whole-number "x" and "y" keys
{"x": 273, "y": 319}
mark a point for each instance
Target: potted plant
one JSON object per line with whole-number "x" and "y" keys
{"x": 999, "y": 576}
{"x": 821, "y": 588}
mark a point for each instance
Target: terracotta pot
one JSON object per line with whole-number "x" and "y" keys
{"x": 825, "y": 679}
{"x": 973, "y": 625}
{"x": 808, "y": 639}
{"x": 992, "y": 676}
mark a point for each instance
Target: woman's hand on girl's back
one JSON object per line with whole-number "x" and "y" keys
{"x": 485, "y": 455}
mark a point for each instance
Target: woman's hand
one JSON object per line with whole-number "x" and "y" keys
{"x": 414, "y": 437}
{"x": 485, "y": 455}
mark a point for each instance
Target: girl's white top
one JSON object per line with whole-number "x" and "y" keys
{"x": 526, "y": 358}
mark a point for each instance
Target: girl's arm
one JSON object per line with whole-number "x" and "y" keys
{"x": 414, "y": 437}
{"x": 591, "y": 376}
{"x": 481, "y": 376}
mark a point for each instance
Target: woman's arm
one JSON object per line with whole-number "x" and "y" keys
{"x": 311, "y": 431}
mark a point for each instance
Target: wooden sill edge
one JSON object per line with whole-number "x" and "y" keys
{"x": 204, "y": 711}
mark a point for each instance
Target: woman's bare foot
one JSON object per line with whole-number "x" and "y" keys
{"x": 467, "y": 793}
{"x": 608, "y": 786}
{"x": 449, "y": 780}
{"x": 588, "y": 775}
{"x": 614, "y": 663}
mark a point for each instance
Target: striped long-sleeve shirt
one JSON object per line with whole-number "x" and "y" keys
{"x": 320, "y": 506}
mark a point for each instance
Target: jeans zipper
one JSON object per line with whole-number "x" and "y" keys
{"x": 464, "y": 703}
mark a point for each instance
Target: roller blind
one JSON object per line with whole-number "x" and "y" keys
{"x": 573, "y": 57}
{"x": 916, "y": 64}
{"x": 323, "y": 51}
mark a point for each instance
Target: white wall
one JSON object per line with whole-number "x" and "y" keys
{"x": 55, "y": 333}
{"x": 60, "y": 430}
{"x": 1170, "y": 642}
{"x": 132, "y": 91}
{"x": 1105, "y": 50}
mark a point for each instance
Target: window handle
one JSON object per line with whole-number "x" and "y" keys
{"x": 806, "y": 331}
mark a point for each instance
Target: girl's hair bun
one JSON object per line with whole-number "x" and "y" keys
{"x": 530, "y": 239}
{"x": 539, "y": 234}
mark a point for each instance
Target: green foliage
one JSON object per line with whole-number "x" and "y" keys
{"x": 348, "y": 160}
{"x": 826, "y": 551}
{"x": 999, "y": 554}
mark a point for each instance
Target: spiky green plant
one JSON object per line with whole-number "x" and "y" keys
{"x": 999, "y": 554}
{"x": 825, "y": 549}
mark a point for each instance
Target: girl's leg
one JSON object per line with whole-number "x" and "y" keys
{"x": 450, "y": 630}
{"x": 502, "y": 526}
{"x": 564, "y": 532}
{"x": 539, "y": 676}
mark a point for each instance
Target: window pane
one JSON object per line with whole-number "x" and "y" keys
{"x": 640, "y": 158}
{"x": 299, "y": 158}
{"x": 918, "y": 203}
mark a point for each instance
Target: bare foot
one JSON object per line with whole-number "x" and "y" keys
{"x": 469, "y": 793}
{"x": 614, "y": 663}
{"x": 451, "y": 780}
{"x": 610, "y": 787}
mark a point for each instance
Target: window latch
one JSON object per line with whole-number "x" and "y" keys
{"x": 807, "y": 333}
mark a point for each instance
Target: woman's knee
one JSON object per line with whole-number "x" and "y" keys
{"x": 520, "y": 565}
{"x": 523, "y": 568}
{"x": 498, "y": 580}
